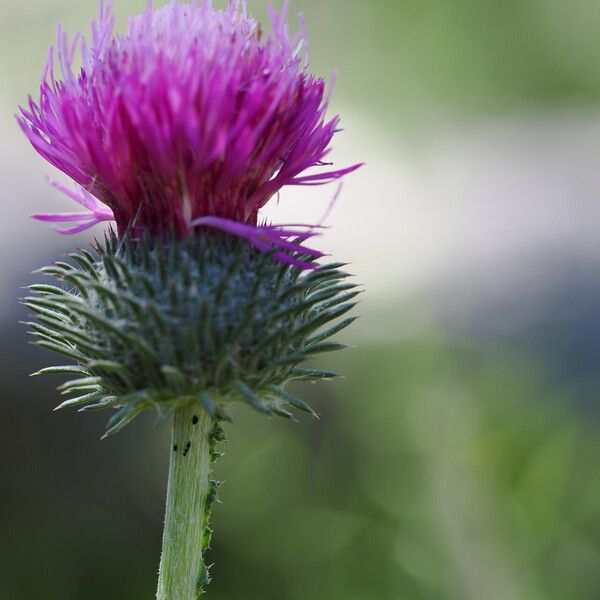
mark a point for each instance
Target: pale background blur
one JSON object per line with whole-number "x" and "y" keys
{"x": 459, "y": 459}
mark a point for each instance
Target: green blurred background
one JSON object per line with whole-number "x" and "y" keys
{"x": 459, "y": 459}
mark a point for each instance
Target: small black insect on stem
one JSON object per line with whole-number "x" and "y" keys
{"x": 187, "y": 448}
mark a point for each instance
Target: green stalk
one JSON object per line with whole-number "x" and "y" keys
{"x": 182, "y": 573}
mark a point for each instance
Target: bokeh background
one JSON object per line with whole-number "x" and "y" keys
{"x": 460, "y": 457}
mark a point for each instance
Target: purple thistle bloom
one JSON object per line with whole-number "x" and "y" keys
{"x": 192, "y": 118}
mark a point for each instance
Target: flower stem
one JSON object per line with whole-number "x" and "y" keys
{"x": 182, "y": 573}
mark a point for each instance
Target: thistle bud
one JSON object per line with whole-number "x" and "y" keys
{"x": 208, "y": 320}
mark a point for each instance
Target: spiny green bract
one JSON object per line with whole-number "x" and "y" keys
{"x": 159, "y": 324}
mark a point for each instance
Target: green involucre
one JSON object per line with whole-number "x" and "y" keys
{"x": 164, "y": 323}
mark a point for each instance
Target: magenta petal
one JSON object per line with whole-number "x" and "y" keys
{"x": 77, "y": 196}
{"x": 320, "y": 178}
{"x": 286, "y": 225}
{"x": 278, "y": 229}
{"x": 290, "y": 260}
{"x": 63, "y": 217}
{"x": 265, "y": 238}
{"x": 280, "y": 242}
{"x": 78, "y": 228}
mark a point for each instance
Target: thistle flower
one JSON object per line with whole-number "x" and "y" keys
{"x": 180, "y": 130}
{"x": 192, "y": 113}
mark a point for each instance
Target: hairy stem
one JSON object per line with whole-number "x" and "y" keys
{"x": 182, "y": 572}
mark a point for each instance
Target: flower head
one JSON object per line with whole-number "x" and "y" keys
{"x": 193, "y": 117}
